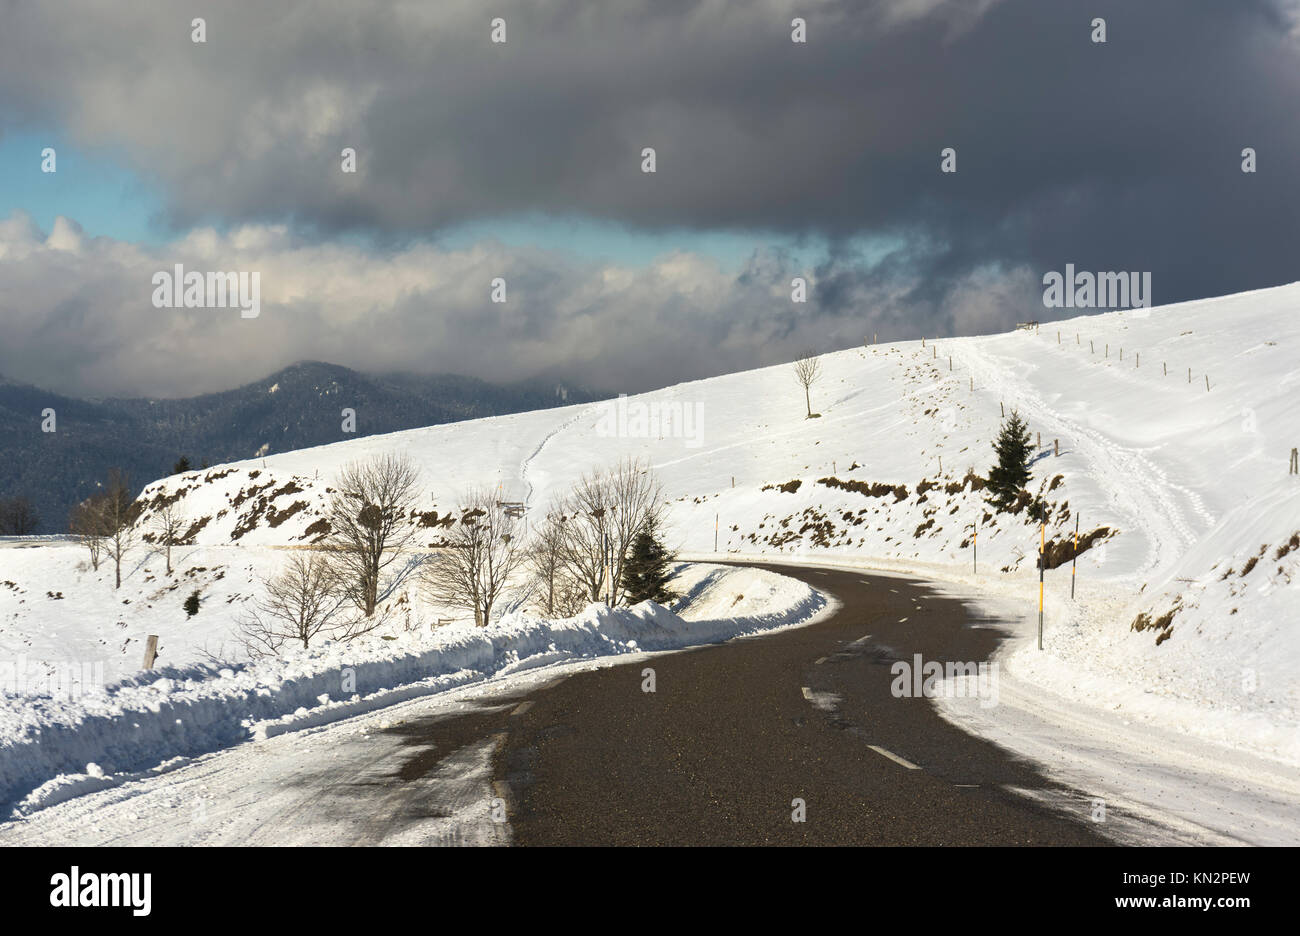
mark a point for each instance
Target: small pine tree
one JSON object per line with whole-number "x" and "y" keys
{"x": 1009, "y": 476}
{"x": 645, "y": 574}
{"x": 192, "y": 603}
{"x": 181, "y": 466}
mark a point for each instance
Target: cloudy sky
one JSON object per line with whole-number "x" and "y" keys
{"x": 522, "y": 160}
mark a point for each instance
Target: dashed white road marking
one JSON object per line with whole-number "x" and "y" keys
{"x": 522, "y": 707}
{"x": 893, "y": 757}
{"x": 807, "y": 693}
{"x": 819, "y": 661}
{"x": 902, "y": 620}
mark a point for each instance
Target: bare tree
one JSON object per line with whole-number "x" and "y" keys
{"x": 371, "y": 529}
{"x": 559, "y": 593}
{"x": 483, "y": 551}
{"x": 86, "y": 524}
{"x": 807, "y": 370}
{"x": 299, "y": 604}
{"x": 118, "y": 512}
{"x": 606, "y": 510}
{"x": 168, "y": 525}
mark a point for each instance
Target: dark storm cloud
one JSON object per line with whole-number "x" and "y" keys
{"x": 1115, "y": 156}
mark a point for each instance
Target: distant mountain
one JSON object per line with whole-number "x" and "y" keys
{"x": 298, "y": 407}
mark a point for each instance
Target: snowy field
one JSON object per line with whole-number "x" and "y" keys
{"x": 1184, "y": 610}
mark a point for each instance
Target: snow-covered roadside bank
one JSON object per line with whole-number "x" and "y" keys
{"x": 299, "y": 788}
{"x": 1204, "y": 775}
{"x": 53, "y": 749}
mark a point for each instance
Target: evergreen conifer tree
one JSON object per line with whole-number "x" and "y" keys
{"x": 646, "y": 573}
{"x": 1009, "y": 476}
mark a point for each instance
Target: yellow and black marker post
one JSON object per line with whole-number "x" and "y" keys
{"x": 1042, "y": 564}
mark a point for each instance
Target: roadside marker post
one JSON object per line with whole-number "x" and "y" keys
{"x": 715, "y": 533}
{"x": 1074, "y": 564}
{"x": 1042, "y": 564}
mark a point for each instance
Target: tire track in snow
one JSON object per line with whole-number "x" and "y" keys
{"x": 1138, "y": 490}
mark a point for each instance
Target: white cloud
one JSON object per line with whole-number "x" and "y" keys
{"x": 78, "y": 316}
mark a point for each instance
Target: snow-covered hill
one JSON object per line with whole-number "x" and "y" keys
{"x": 1174, "y": 426}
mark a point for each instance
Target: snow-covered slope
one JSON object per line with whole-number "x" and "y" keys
{"x": 1177, "y": 488}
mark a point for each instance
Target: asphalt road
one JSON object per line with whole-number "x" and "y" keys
{"x": 718, "y": 754}
{"x": 734, "y": 733}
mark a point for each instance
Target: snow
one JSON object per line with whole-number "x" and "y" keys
{"x": 1191, "y": 483}
{"x": 52, "y": 748}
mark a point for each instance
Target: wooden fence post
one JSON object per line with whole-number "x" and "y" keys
{"x": 150, "y": 650}
{"x": 1056, "y": 444}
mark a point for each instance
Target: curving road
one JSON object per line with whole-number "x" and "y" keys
{"x": 733, "y": 734}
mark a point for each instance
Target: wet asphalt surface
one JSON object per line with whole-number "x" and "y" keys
{"x": 738, "y": 738}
